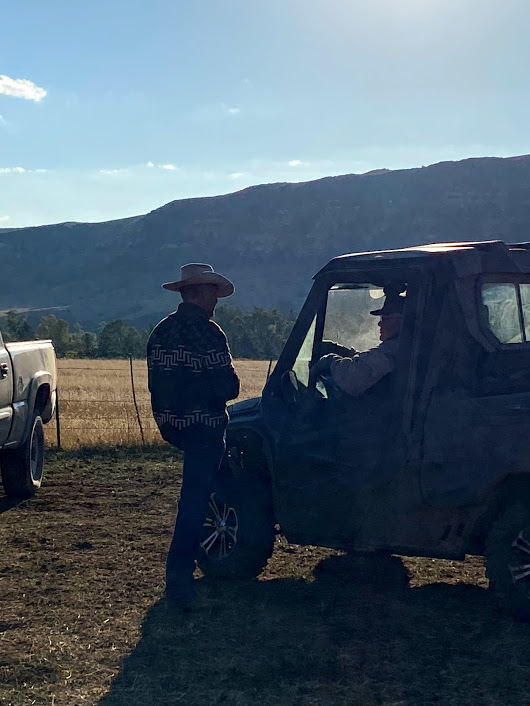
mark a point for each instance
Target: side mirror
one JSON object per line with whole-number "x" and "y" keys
{"x": 290, "y": 389}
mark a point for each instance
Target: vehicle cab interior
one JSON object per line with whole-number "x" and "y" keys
{"x": 346, "y": 323}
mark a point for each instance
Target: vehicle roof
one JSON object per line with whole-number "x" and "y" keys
{"x": 467, "y": 256}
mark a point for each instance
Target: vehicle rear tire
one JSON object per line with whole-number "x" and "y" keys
{"x": 22, "y": 467}
{"x": 238, "y": 535}
{"x": 508, "y": 561}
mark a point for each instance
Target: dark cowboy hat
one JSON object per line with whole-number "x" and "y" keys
{"x": 393, "y": 305}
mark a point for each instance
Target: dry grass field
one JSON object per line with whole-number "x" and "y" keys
{"x": 96, "y": 404}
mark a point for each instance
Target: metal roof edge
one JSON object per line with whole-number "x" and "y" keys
{"x": 421, "y": 251}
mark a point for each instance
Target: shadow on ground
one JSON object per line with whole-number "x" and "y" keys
{"x": 8, "y": 503}
{"x": 351, "y": 636}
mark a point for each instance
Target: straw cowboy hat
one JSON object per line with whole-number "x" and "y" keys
{"x": 196, "y": 273}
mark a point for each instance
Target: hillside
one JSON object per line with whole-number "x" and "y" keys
{"x": 269, "y": 239}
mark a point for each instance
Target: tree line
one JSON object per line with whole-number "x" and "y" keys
{"x": 259, "y": 334}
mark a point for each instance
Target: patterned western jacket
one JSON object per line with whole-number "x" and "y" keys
{"x": 191, "y": 376}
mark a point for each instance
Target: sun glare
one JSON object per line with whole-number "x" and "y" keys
{"x": 406, "y": 11}
{"x": 375, "y": 19}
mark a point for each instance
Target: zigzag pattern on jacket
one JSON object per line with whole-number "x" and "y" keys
{"x": 186, "y": 420}
{"x": 181, "y": 355}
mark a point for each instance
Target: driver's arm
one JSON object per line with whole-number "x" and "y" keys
{"x": 356, "y": 375}
{"x": 327, "y": 347}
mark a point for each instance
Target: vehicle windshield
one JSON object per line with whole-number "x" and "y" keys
{"x": 348, "y": 320}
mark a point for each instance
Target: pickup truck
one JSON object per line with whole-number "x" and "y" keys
{"x": 28, "y": 392}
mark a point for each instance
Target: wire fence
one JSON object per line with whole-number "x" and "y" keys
{"x": 108, "y": 403}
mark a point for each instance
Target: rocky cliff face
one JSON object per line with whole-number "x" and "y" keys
{"x": 269, "y": 239}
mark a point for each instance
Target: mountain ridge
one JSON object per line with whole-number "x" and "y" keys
{"x": 269, "y": 238}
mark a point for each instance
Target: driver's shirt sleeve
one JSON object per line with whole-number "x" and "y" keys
{"x": 356, "y": 375}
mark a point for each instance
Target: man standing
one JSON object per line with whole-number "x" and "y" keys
{"x": 191, "y": 378}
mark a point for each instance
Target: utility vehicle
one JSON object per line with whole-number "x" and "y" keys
{"x": 433, "y": 460}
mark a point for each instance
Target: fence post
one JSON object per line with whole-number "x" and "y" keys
{"x": 57, "y": 419}
{"x": 134, "y": 400}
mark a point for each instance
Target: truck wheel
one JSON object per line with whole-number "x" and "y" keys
{"x": 22, "y": 467}
{"x": 238, "y": 534}
{"x": 508, "y": 561}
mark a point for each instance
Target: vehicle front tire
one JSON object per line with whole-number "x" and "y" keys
{"x": 238, "y": 535}
{"x": 22, "y": 468}
{"x": 508, "y": 561}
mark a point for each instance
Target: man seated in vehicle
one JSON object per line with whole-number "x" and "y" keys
{"x": 357, "y": 372}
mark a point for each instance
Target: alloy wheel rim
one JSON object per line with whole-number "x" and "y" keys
{"x": 520, "y": 565}
{"x": 34, "y": 457}
{"x": 220, "y": 530}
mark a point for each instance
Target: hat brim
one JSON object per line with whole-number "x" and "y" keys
{"x": 382, "y": 312}
{"x": 224, "y": 287}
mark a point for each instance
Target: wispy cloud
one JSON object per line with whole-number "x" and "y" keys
{"x": 113, "y": 172}
{"x": 5, "y": 219}
{"x": 21, "y": 170}
{"x": 298, "y": 163}
{"x": 138, "y": 168}
{"x": 216, "y": 111}
{"x": 237, "y": 175}
{"x": 169, "y": 167}
{"x": 21, "y": 88}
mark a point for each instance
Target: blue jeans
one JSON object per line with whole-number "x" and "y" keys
{"x": 204, "y": 449}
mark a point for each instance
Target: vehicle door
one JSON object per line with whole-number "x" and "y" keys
{"x": 6, "y": 393}
{"x": 477, "y": 395}
{"x": 327, "y": 443}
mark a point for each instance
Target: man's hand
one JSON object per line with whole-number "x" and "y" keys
{"x": 322, "y": 365}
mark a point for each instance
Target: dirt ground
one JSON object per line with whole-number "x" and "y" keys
{"x": 82, "y": 620}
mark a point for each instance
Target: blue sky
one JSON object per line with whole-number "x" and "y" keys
{"x": 111, "y": 108}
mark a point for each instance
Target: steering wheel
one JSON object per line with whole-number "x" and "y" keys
{"x": 333, "y": 391}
